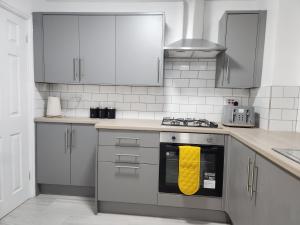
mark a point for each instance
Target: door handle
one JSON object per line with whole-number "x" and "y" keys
{"x": 252, "y": 191}
{"x": 66, "y": 140}
{"x": 130, "y": 155}
{"x": 248, "y": 180}
{"x": 228, "y": 70}
{"x": 127, "y": 138}
{"x": 128, "y": 167}
{"x": 80, "y": 69}
{"x": 74, "y": 69}
{"x": 133, "y": 155}
{"x": 72, "y": 138}
{"x": 158, "y": 68}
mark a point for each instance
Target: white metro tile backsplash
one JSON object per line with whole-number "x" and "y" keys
{"x": 188, "y": 91}
{"x": 278, "y": 107}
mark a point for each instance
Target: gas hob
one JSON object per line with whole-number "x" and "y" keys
{"x": 188, "y": 122}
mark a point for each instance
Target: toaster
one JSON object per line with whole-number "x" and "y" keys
{"x": 238, "y": 116}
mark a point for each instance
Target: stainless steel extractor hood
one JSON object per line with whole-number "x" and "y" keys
{"x": 192, "y": 45}
{"x": 193, "y": 48}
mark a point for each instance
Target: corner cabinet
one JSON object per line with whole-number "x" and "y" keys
{"x": 65, "y": 154}
{"x": 239, "y": 205}
{"x": 243, "y": 35}
{"x": 108, "y": 49}
{"x": 259, "y": 192}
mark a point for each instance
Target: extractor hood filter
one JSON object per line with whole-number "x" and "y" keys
{"x": 193, "y": 48}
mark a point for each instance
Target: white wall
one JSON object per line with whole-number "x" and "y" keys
{"x": 173, "y": 11}
{"x": 21, "y": 5}
{"x": 287, "y": 63}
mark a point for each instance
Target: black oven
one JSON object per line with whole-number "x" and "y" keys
{"x": 212, "y": 161}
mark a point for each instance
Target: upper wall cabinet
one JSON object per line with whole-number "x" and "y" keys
{"x": 139, "y": 50}
{"x": 243, "y": 34}
{"x": 61, "y": 49}
{"x": 97, "y": 49}
{"x": 125, "y": 49}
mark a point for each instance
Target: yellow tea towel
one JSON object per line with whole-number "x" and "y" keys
{"x": 189, "y": 169}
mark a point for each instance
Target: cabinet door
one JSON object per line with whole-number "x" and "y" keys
{"x": 239, "y": 205}
{"x": 61, "y": 48}
{"x": 83, "y": 149}
{"x": 277, "y": 197}
{"x": 131, "y": 183}
{"x": 53, "y": 153}
{"x": 97, "y": 49}
{"x": 241, "y": 42}
{"x": 139, "y": 50}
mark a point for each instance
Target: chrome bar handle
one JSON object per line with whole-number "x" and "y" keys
{"x": 248, "y": 180}
{"x": 80, "y": 69}
{"x": 128, "y": 167}
{"x": 252, "y": 181}
{"x": 66, "y": 140}
{"x": 227, "y": 69}
{"x": 74, "y": 69}
{"x": 127, "y": 138}
{"x": 72, "y": 138}
{"x": 133, "y": 155}
{"x": 255, "y": 190}
{"x": 158, "y": 68}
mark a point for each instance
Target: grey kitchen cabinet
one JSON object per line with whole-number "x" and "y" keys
{"x": 108, "y": 48}
{"x": 277, "y": 197}
{"x": 128, "y": 166}
{"x": 61, "y": 48}
{"x": 139, "y": 50}
{"x": 259, "y": 192}
{"x": 243, "y": 34}
{"x": 83, "y": 148}
{"x": 52, "y": 153}
{"x": 65, "y": 154}
{"x": 239, "y": 203}
{"x": 97, "y": 49}
{"x": 130, "y": 183}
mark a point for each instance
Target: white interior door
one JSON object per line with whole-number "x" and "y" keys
{"x": 14, "y": 119}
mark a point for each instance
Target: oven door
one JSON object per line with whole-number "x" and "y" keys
{"x": 211, "y": 169}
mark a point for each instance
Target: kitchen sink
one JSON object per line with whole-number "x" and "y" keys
{"x": 293, "y": 154}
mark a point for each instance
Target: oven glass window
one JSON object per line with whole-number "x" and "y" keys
{"x": 172, "y": 167}
{"x": 211, "y": 169}
{"x": 207, "y": 169}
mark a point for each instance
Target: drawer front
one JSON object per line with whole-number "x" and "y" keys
{"x": 127, "y": 183}
{"x": 128, "y": 154}
{"x": 129, "y": 138}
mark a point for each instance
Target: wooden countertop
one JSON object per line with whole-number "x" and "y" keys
{"x": 261, "y": 141}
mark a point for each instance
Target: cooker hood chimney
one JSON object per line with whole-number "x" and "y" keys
{"x": 193, "y": 45}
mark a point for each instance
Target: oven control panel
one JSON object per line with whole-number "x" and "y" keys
{"x": 191, "y": 138}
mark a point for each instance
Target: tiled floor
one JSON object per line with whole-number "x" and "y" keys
{"x": 63, "y": 210}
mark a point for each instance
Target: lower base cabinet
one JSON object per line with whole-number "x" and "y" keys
{"x": 239, "y": 205}
{"x": 259, "y": 192}
{"x": 128, "y": 183}
{"x": 277, "y": 199}
{"x": 66, "y": 154}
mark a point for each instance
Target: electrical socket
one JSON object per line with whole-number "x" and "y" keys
{"x": 231, "y": 101}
